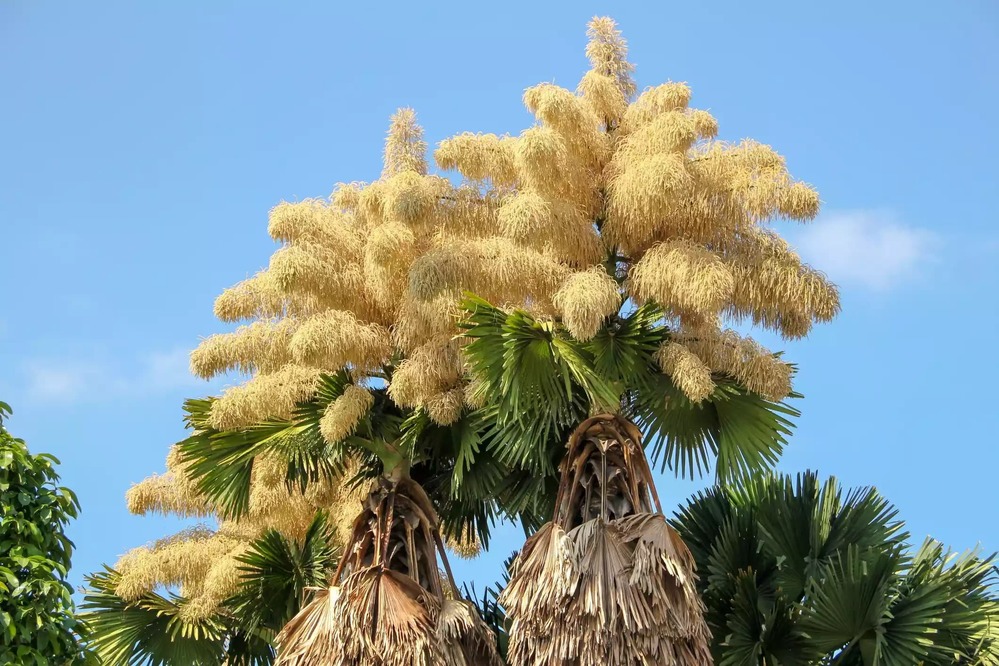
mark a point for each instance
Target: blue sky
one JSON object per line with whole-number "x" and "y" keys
{"x": 142, "y": 144}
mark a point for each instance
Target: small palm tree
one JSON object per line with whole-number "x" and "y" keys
{"x": 277, "y": 574}
{"x": 795, "y": 572}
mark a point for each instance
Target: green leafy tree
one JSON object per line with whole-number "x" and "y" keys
{"x": 797, "y": 572}
{"x": 38, "y": 624}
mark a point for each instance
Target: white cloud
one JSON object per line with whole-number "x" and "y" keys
{"x": 865, "y": 248}
{"x": 65, "y": 380}
{"x": 58, "y": 381}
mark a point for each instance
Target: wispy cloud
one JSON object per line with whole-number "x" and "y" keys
{"x": 870, "y": 249}
{"x": 67, "y": 380}
{"x": 60, "y": 381}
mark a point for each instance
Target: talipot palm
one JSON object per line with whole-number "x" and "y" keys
{"x": 615, "y": 238}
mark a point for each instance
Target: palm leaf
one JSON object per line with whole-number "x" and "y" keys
{"x": 276, "y": 574}
{"x": 848, "y": 609}
{"x": 149, "y": 632}
{"x": 743, "y": 432}
{"x": 762, "y": 630}
{"x": 221, "y": 462}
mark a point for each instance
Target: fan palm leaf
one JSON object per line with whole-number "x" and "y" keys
{"x": 150, "y": 632}
{"x": 801, "y": 572}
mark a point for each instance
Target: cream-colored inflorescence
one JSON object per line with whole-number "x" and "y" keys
{"x": 612, "y": 195}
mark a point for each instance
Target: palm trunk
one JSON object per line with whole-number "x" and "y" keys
{"x": 607, "y": 582}
{"x": 388, "y": 604}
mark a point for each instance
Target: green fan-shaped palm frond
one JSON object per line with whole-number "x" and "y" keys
{"x": 277, "y": 574}
{"x": 761, "y": 629}
{"x": 807, "y": 522}
{"x": 149, "y": 632}
{"x": 541, "y": 382}
{"x": 460, "y": 468}
{"x": 798, "y": 571}
{"x": 222, "y": 461}
{"x": 850, "y": 603}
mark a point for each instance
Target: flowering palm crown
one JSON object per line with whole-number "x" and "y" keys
{"x": 594, "y": 263}
{"x": 609, "y": 201}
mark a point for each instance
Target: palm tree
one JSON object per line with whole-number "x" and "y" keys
{"x": 796, "y": 572}
{"x": 159, "y": 629}
{"x": 659, "y": 237}
{"x": 616, "y": 238}
{"x": 541, "y": 382}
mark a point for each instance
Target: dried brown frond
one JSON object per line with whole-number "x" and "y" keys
{"x": 465, "y": 639}
{"x": 585, "y": 300}
{"x": 261, "y": 346}
{"x": 608, "y": 582}
{"x": 343, "y": 414}
{"x": 388, "y": 604}
{"x": 271, "y": 395}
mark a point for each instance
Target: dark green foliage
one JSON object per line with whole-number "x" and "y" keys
{"x": 441, "y": 458}
{"x": 541, "y": 382}
{"x": 277, "y": 574}
{"x": 37, "y": 620}
{"x": 795, "y": 572}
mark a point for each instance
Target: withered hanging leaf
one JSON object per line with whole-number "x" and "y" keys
{"x": 608, "y": 582}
